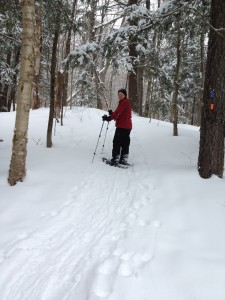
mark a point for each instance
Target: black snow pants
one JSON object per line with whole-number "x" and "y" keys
{"x": 121, "y": 143}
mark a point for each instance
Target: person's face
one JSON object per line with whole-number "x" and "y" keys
{"x": 121, "y": 96}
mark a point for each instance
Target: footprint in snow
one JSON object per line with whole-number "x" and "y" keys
{"x": 104, "y": 278}
{"x": 139, "y": 260}
{"x": 103, "y": 286}
{"x": 125, "y": 269}
{"x": 131, "y": 262}
{"x": 109, "y": 266}
{"x": 29, "y": 243}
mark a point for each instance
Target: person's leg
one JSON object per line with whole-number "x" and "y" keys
{"x": 125, "y": 144}
{"x": 116, "y": 146}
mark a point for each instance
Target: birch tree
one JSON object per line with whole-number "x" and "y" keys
{"x": 37, "y": 57}
{"x": 17, "y": 169}
{"x": 10, "y": 34}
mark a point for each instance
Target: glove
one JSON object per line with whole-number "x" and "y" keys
{"x": 110, "y": 112}
{"x": 106, "y": 118}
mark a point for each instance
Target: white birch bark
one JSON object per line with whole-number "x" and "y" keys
{"x": 17, "y": 169}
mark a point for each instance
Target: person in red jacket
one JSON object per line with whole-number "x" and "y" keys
{"x": 121, "y": 141}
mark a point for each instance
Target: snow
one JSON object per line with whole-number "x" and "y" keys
{"x": 87, "y": 231}
{"x": 81, "y": 54}
{"x": 165, "y": 7}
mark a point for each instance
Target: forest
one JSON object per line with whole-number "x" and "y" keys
{"x": 169, "y": 55}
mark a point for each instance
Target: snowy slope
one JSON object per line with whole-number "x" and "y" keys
{"x": 77, "y": 230}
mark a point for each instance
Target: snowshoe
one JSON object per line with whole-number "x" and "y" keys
{"x": 114, "y": 163}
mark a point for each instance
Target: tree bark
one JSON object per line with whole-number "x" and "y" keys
{"x": 147, "y": 98}
{"x": 193, "y": 110}
{"x": 67, "y": 52}
{"x": 17, "y": 169}
{"x": 12, "y": 96}
{"x": 91, "y": 38}
{"x": 132, "y": 79}
{"x": 132, "y": 75}
{"x": 59, "y": 95}
{"x": 211, "y": 151}
{"x": 202, "y": 68}
{"x": 176, "y": 84}
{"x": 4, "y": 94}
{"x": 140, "y": 75}
{"x": 52, "y": 88}
{"x": 37, "y": 62}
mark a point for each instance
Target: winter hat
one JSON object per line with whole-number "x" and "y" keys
{"x": 123, "y": 91}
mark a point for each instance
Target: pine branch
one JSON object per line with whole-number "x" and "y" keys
{"x": 10, "y": 38}
{"x": 108, "y": 23}
{"x": 219, "y": 30}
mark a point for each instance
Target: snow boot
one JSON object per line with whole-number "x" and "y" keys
{"x": 114, "y": 161}
{"x": 123, "y": 160}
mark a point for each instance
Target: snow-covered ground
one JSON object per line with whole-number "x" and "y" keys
{"x": 77, "y": 230}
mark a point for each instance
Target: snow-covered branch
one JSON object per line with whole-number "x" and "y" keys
{"x": 81, "y": 55}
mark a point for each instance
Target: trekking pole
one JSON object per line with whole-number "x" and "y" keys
{"x": 98, "y": 141}
{"x": 105, "y": 137}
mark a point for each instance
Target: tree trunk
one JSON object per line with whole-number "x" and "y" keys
{"x": 92, "y": 38}
{"x": 132, "y": 75}
{"x": 202, "y": 68}
{"x": 133, "y": 90}
{"x": 12, "y": 96}
{"x": 52, "y": 88}
{"x": 71, "y": 89}
{"x": 59, "y": 95}
{"x": 37, "y": 62}
{"x": 193, "y": 111}
{"x": 147, "y": 98}
{"x": 17, "y": 169}
{"x": 67, "y": 52}
{"x": 4, "y": 94}
{"x": 103, "y": 65}
{"x": 132, "y": 81}
{"x": 152, "y": 91}
{"x": 176, "y": 84}
{"x": 211, "y": 151}
{"x": 140, "y": 75}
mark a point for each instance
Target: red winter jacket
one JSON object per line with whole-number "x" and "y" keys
{"x": 122, "y": 114}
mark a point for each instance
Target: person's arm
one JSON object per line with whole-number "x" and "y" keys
{"x": 120, "y": 109}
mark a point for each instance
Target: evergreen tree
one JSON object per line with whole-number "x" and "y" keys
{"x": 10, "y": 35}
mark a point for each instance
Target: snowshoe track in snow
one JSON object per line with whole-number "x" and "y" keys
{"x": 80, "y": 243}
